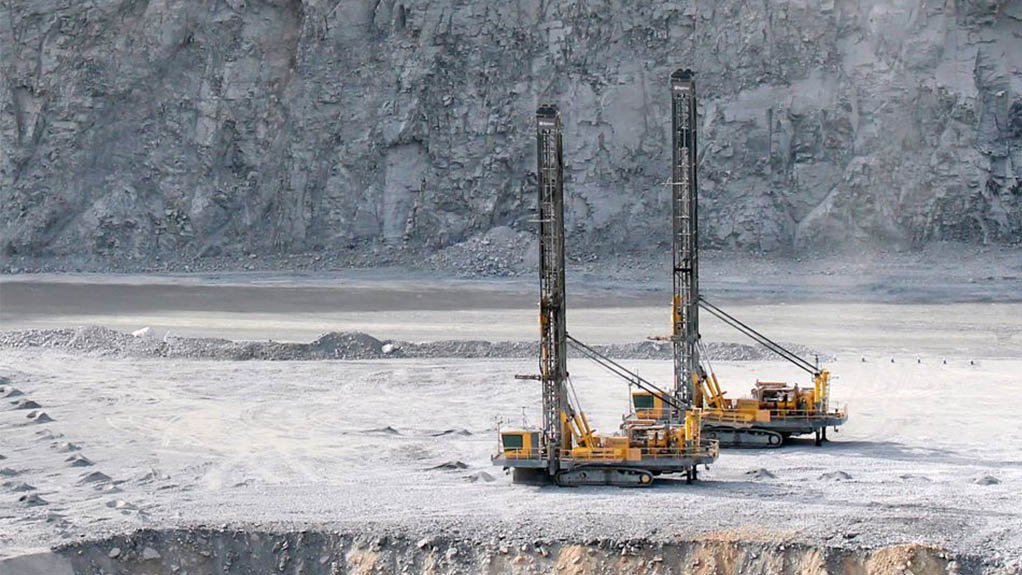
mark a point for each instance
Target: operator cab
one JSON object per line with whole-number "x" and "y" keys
{"x": 645, "y": 405}
{"x": 519, "y": 443}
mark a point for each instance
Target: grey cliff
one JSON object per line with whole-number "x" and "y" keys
{"x": 222, "y": 128}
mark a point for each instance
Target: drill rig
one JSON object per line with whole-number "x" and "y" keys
{"x": 566, "y": 451}
{"x": 776, "y": 410}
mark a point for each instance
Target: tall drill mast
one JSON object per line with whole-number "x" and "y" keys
{"x": 685, "y": 316}
{"x": 553, "y": 333}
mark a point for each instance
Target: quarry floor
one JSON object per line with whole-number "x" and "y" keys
{"x": 932, "y": 452}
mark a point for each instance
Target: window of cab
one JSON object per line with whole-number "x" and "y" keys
{"x": 642, "y": 401}
{"x": 513, "y": 441}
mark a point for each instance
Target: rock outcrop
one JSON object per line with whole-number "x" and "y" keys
{"x": 196, "y": 128}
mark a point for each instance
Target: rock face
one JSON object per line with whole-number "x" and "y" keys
{"x": 193, "y": 128}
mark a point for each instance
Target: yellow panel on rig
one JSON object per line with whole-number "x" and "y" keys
{"x": 617, "y": 442}
{"x": 747, "y": 404}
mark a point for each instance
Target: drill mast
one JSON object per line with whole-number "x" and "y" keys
{"x": 553, "y": 333}
{"x": 685, "y": 314}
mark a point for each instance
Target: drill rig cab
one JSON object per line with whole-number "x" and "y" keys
{"x": 566, "y": 451}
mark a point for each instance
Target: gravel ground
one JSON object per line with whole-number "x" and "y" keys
{"x": 104, "y": 432}
{"x": 404, "y": 444}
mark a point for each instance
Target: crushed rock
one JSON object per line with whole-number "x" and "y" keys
{"x": 78, "y": 461}
{"x": 94, "y": 477}
{"x": 835, "y": 476}
{"x": 760, "y": 474}
{"x": 121, "y": 505}
{"x": 25, "y": 403}
{"x": 388, "y": 430}
{"x": 480, "y": 476}
{"x": 455, "y": 431}
{"x": 450, "y": 466}
{"x": 39, "y": 417}
{"x": 32, "y": 500}
{"x": 18, "y": 486}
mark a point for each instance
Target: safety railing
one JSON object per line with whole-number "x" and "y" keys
{"x": 804, "y": 414}
{"x": 705, "y": 448}
{"x": 521, "y": 454}
{"x": 729, "y": 416}
{"x": 732, "y": 416}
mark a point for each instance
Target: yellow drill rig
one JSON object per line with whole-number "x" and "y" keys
{"x": 566, "y": 451}
{"x": 775, "y": 411}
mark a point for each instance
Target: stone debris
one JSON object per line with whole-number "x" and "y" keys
{"x": 25, "y": 403}
{"x": 121, "y": 505}
{"x": 32, "y": 500}
{"x": 78, "y": 461}
{"x": 760, "y": 474}
{"x": 910, "y": 477}
{"x": 18, "y": 486}
{"x": 450, "y": 466}
{"x": 39, "y": 417}
{"x": 93, "y": 477}
{"x": 480, "y": 476}
{"x": 388, "y": 430}
{"x": 454, "y": 431}
{"x": 835, "y": 476}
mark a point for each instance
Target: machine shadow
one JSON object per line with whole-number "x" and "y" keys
{"x": 894, "y": 451}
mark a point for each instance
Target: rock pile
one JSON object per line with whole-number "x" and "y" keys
{"x": 335, "y": 345}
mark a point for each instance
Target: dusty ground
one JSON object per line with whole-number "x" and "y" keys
{"x": 931, "y": 453}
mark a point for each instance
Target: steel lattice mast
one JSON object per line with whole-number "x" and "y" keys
{"x": 553, "y": 333}
{"x": 685, "y": 315}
